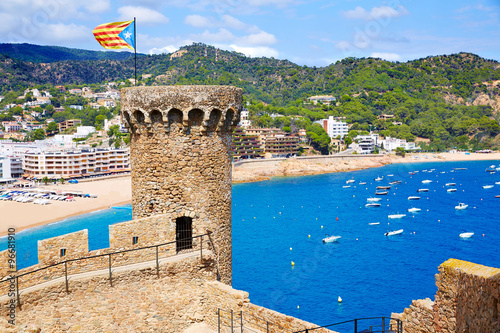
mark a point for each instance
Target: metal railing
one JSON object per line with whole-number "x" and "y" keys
{"x": 239, "y": 321}
{"x": 375, "y": 325}
{"x": 110, "y": 266}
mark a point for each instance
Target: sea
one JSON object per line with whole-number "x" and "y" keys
{"x": 278, "y": 227}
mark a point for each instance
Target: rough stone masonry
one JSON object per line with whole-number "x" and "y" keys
{"x": 180, "y": 157}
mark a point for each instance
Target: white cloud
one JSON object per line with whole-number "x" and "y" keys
{"x": 375, "y": 13}
{"x": 257, "y": 51}
{"x": 221, "y": 36}
{"x": 343, "y": 45}
{"x": 97, "y": 6}
{"x": 234, "y": 23}
{"x": 66, "y": 32}
{"x": 165, "y": 49}
{"x": 199, "y": 21}
{"x": 144, "y": 15}
{"x": 261, "y": 38}
{"x": 386, "y": 56}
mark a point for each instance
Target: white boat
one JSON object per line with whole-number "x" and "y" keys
{"x": 374, "y": 223}
{"x": 396, "y": 216}
{"x": 426, "y": 181}
{"x": 391, "y": 175}
{"x": 412, "y": 197}
{"x": 372, "y": 204}
{"x": 413, "y": 210}
{"x": 466, "y": 234}
{"x": 379, "y": 178}
{"x": 330, "y": 239}
{"x": 395, "y": 232}
{"x": 423, "y": 190}
{"x": 350, "y": 181}
{"x": 497, "y": 183}
{"x": 487, "y": 186}
{"x": 362, "y": 183}
{"x": 373, "y": 199}
{"x": 461, "y": 205}
{"x": 346, "y": 186}
{"x": 450, "y": 184}
{"x": 451, "y": 190}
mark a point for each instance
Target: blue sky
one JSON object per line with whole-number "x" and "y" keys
{"x": 313, "y": 33}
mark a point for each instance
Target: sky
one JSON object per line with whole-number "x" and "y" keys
{"x": 312, "y": 33}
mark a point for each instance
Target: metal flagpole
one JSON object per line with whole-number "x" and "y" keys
{"x": 135, "y": 51}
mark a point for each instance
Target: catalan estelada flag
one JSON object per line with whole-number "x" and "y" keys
{"x": 116, "y": 35}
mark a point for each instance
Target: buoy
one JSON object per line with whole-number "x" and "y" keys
{"x": 483, "y": 235}
{"x": 309, "y": 236}
{"x": 298, "y": 307}
{"x": 321, "y": 227}
{"x": 340, "y": 299}
{"x": 274, "y": 217}
{"x": 290, "y": 249}
{"x": 293, "y": 264}
{"x": 356, "y": 239}
{"x": 280, "y": 213}
{"x": 316, "y": 219}
{"x": 254, "y": 217}
{"x": 114, "y": 213}
{"x": 337, "y": 218}
{"x": 353, "y": 196}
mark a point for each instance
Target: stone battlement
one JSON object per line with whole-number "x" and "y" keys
{"x": 202, "y": 109}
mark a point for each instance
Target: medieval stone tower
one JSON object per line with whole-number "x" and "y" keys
{"x": 181, "y": 163}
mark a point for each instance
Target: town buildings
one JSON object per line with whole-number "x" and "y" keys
{"x": 335, "y": 128}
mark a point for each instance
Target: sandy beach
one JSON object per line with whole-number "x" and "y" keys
{"x": 117, "y": 191}
{"x": 21, "y": 216}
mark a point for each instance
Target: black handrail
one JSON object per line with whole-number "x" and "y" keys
{"x": 399, "y": 328}
{"x": 109, "y": 254}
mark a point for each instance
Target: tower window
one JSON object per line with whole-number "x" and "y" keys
{"x": 135, "y": 240}
{"x": 63, "y": 252}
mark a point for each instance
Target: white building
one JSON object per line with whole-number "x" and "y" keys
{"x": 11, "y": 167}
{"x": 366, "y": 143}
{"x": 75, "y": 163}
{"x": 391, "y": 144}
{"x": 325, "y": 99}
{"x": 83, "y": 131}
{"x": 334, "y": 127}
{"x": 244, "y": 119}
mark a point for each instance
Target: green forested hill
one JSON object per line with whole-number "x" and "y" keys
{"x": 44, "y": 54}
{"x": 451, "y": 99}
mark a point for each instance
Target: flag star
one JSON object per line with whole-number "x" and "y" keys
{"x": 127, "y": 34}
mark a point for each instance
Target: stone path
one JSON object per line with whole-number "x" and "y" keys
{"x": 105, "y": 272}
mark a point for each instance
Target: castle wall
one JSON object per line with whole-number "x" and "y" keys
{"x": 75, "y": 245}
{"x": 467, "y": 300}
{"x": 180, "y": 157}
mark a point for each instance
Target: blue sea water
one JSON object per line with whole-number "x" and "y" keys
{"x": 374, "y": 274}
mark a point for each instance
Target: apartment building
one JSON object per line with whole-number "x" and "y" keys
{"x": 246, "y": 146}
{"x": 11, "y": 126}
{"x": 75, "y": 163}
{"x": 334, "y": 127}
{"x": 69, "y": 123}
{"x": 281, "y": 145}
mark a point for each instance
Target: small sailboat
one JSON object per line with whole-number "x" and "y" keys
{"x": 466, "y": 235}
{"x": 395, "y": 232}
{"x": 461, "y": 206}
{"x": 330, "y": 239}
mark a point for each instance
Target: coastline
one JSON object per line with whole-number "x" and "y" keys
{"x": 117, "y": 191}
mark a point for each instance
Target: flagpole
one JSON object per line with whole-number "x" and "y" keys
{"x": 135, "y": 51}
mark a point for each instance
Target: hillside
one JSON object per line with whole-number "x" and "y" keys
{"x": 453, "y": 100}
{"x": 44, "y": 54}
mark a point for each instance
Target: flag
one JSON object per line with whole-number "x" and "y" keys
{"x": 116, "y": 35}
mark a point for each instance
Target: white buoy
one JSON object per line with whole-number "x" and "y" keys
{"x": 290, "y": 249}
{"x": 340, "y": 299}
{"x": 293, "y": 264}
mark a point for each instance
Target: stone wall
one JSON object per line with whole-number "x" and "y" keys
{"x": 221, "y": 296}
{"x": 76, "y": 245}
{"x": 467, "y": 300}
{"x": 180, "y": 157}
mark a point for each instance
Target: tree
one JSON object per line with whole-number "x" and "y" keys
{"x": 62, "y": 180}
{"x": 52, "y": 127}
{"x": 400, "y": 151}
{"x": 45, "y": 180}
{"x": 38, "y": 134}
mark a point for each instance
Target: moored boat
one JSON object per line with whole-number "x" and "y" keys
{"x": 461, "y": 206}
{"x": 383, "y": 187}
{"x": 426, "y": 181}
{"x": 381, "y": 193}
{"x": 450, "y": 184}
{"x": 362, "y": 183}
{"x": 395, "y": 182}
{"x": 395, "y": 232}
{"x": 346, "y": 186}
{"x": 374, "y": 223}
{"x": 379, "y": 178}
{"x": 423, "y": 190}
{"x": 412, "y": 197}
{"x": 451, "y": 190}
{"x": 372, "y": 204}
{"x": 330, "y": 239}
{"x": 414, "y": 210}
{"x": 487, "y": 186}
{"x": 350, "y": 181}
{"x": 396, "y": 216}
{"x": 466, "y": 235}
{"x": 373, "y": 199}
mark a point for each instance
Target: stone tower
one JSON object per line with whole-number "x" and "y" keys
{"x": 181, "y": 163}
